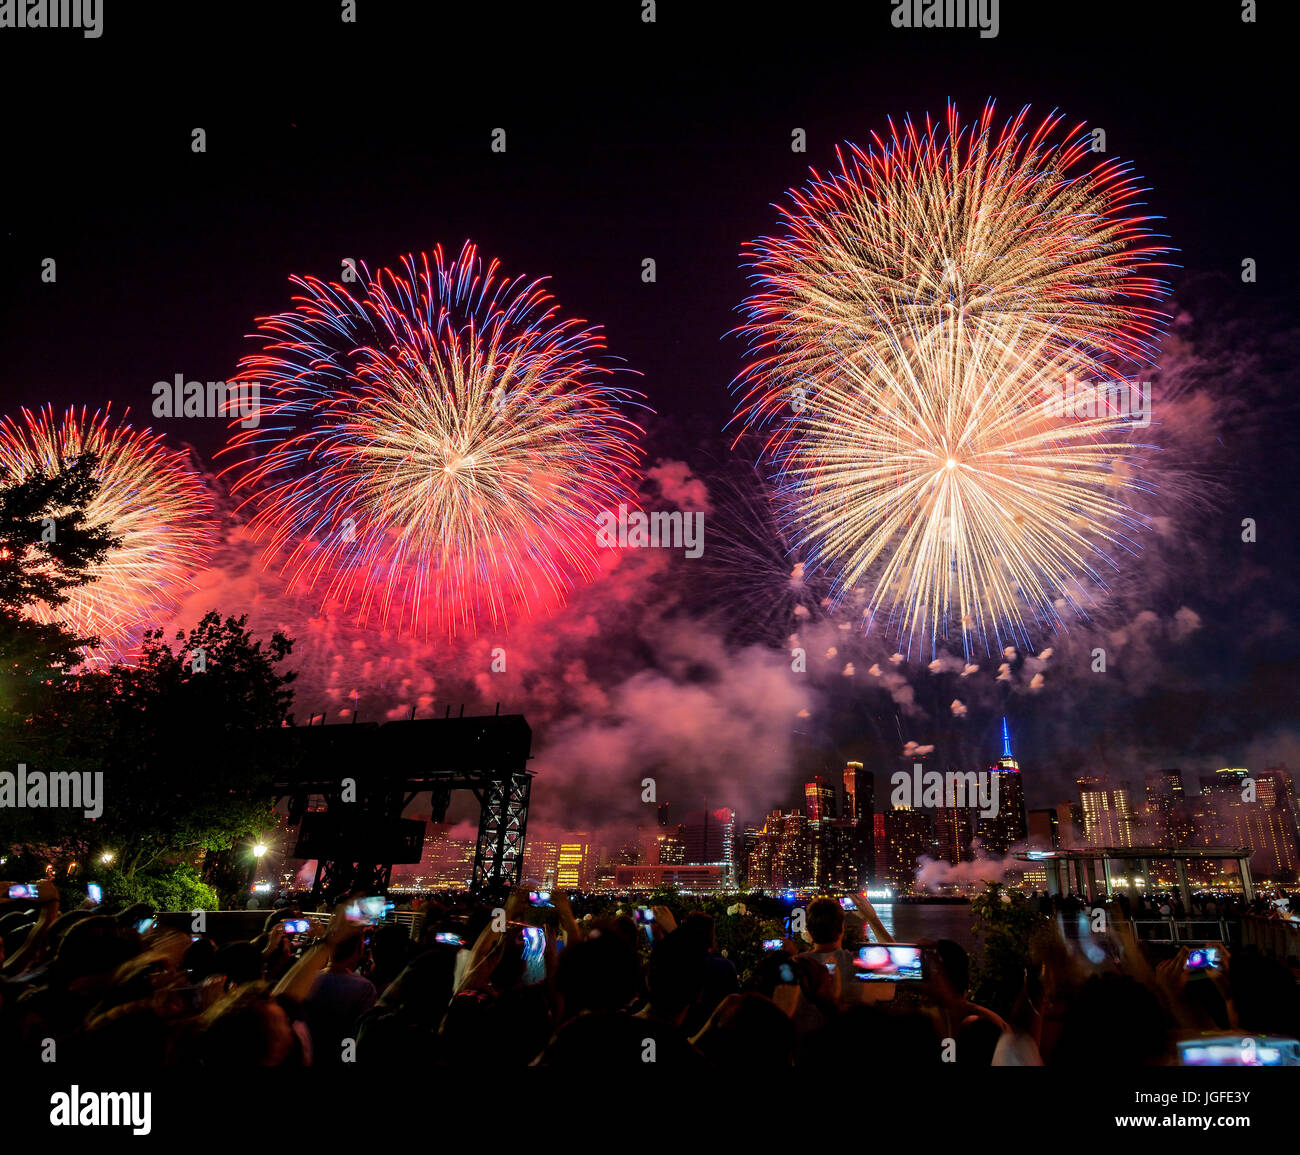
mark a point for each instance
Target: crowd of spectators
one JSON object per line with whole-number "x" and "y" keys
{"x": 523, "y": 985}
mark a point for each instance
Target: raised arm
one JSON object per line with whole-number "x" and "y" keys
{"x": 298, "y": 979}
{"x": 873, "y": 919}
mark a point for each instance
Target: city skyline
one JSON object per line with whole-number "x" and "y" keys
{"x": 833, "y": 842}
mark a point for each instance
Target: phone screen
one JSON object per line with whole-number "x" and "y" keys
{"x": 534, "y": 955}
{"x": 1239, "y": 1052}
{"x": 891, "y": 963}
{"x": 94, "y": 893}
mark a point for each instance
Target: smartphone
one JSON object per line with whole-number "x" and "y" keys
{"x": 94, "y": 892}
{"x": 1205, "y": 959}
{"x": 786, "y": 973}
{"x": 24, "y": 890}
{"x": 848, "y": 904}
{"x": 449, "y": 938}
{"x": 534, "y": 955}
{"x": 773, "y": 943}
{"x": 889, "y": 963}
{"x": 643, "y": 914}
{"x": 296, "y": 925}
{"x": 145, "y": 925}
{"x": 1239, "y": 1051}
{"x": 540, "y": 898}
{"x": 371, "y": 910}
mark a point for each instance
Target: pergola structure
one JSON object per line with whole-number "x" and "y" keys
{"x": 1089, "y": 872}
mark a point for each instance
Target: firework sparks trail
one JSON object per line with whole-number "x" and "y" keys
{"x": 910, "y": 336}
{"x": 437, "y": 448}
{"x": 149, "y": 497}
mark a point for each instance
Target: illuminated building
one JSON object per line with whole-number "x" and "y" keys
{"x": 908, "y": 835}
{"x": 792, "y": 861}
{"x": 670, "y": 847}
{"x": 952, "y": 834}
{"x": 1009, "y": 825}
{"x": 759, "y": 852}
{"x": 819, "y": 797}
{"x": 859, "y": 808}
{"x": 710, "y": 838}
{"x": 573, "y": 870}
{"x": 694, "y": 877}
{"x": 880, "y": 847}
{"x": 541, "y": 856}
{"x": 859, "y": 792}
{"x": 1107, "y": 814}
{"x": 446, "y": 863}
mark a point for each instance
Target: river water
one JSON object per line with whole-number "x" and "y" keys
{"x": 908, "y": 922}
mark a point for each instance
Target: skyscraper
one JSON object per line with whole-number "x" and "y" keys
{"x": 574, "y": 868}
{"x": 1165, "y": 803}
{"x": 860, "y": 810}
{"x": 1108, "y": 819}
{"x": 1010, "y": 824}
{"x": 952, "y": 834}
{"x": 908, "y": 835}
{"x": 710, "y": 837}
{"x": 819, "y": 799}
{"x": 859, "y": 792}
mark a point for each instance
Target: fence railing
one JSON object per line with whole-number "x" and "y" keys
{"x": 1188, "y": 930}
{"x": 1276, "y": 937}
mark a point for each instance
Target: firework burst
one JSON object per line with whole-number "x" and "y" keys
{"x": 756, "y": 583}
{"x": 911, "y": 333}
{"x": 149, "y": 497}
{"x": 438, "y": 448}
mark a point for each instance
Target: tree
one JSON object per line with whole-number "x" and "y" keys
{"x": 1009, "y": 929}
{"x": 182, "y": 737}
{"x": 47, "y": 549}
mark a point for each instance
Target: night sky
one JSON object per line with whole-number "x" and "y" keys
{"x": 671, "y": 141}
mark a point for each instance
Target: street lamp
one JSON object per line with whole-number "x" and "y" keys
{"x": 106, "y": 857}
{"x": 259, "y": 850}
